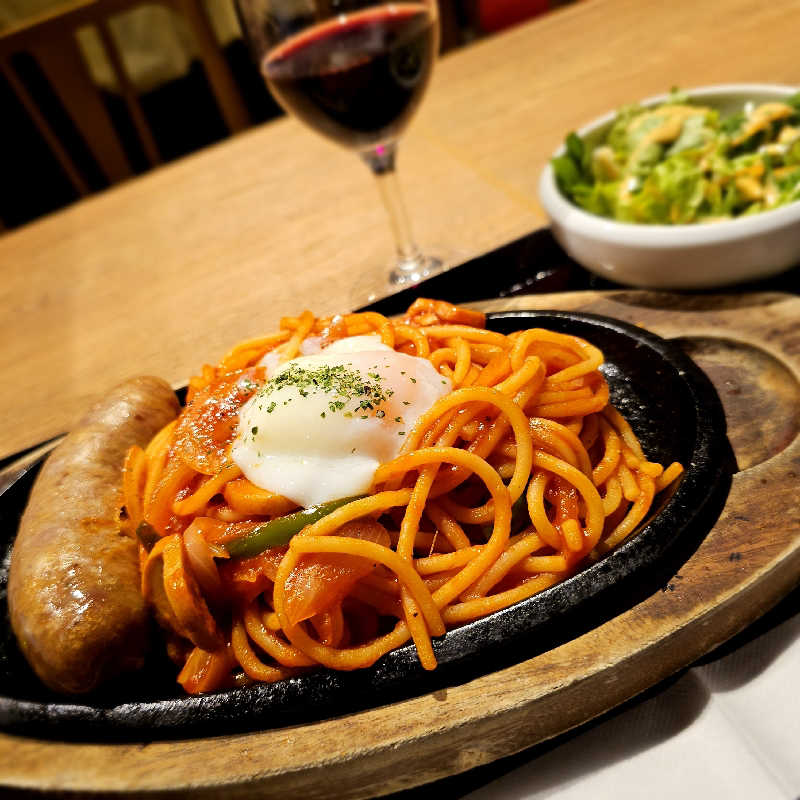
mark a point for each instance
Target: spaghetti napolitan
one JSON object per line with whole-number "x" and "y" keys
{"x": 514, "y": 475}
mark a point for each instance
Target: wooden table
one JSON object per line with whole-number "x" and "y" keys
{"x": 166, "y": 271}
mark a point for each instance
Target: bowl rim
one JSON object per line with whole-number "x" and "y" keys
{"x": 660, "y": 236}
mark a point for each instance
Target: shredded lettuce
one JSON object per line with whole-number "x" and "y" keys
{"x": 682, "y": 163}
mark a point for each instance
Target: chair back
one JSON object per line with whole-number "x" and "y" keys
{"x": 51, "y": 40}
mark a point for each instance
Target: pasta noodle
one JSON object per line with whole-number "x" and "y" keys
{"x": 509, "y": 483}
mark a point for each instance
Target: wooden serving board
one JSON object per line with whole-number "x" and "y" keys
{"x": 749, "y": 346}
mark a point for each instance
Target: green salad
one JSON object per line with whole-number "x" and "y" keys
{"x": 679, "y": 163}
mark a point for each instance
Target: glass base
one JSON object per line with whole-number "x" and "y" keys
{"x": 400, "y": 275}
{"x": 414, "y": 270}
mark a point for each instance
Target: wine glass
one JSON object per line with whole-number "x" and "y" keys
{"x": 354, "y": 71}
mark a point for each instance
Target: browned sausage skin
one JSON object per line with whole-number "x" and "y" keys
{"x": 73, "y": 586}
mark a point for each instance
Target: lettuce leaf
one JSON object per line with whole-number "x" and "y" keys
{"x": 681, "y": 166}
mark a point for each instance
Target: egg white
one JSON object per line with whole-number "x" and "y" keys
{"x": 315, "y": 443}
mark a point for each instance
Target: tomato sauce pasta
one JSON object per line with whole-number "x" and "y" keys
{"x": 515, "y": 474}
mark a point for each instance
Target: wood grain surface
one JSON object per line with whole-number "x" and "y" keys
{"x": 750, "y": 347}
{"x": 176, "y": 265}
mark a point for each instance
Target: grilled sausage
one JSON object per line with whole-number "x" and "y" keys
{"x": 73, "y": 586}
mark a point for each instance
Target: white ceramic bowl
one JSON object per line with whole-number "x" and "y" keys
{"x": 690, "y": 256}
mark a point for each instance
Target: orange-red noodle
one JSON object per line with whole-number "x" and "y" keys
{"x": 507, "y": 485}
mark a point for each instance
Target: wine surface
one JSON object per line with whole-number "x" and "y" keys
{"x": 356, "y": 78}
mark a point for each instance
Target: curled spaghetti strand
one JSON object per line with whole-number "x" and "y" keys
{"x": 519, "y": 476}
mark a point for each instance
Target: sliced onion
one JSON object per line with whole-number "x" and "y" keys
{"x": 201, "y": 562}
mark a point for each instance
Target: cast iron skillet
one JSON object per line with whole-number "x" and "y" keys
{"x": 677, "y": 415}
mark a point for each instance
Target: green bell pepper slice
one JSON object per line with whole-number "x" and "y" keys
{"x": 279, "y": 531}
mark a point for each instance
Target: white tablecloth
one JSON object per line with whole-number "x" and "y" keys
{"x": 727, "y": 728}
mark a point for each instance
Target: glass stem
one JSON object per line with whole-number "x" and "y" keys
{"x": 381, "y": 161}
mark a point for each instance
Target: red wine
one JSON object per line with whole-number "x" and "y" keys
{"x": 357, "y": 78}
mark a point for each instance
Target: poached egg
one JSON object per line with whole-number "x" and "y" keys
{"x": 323, "y": 423}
